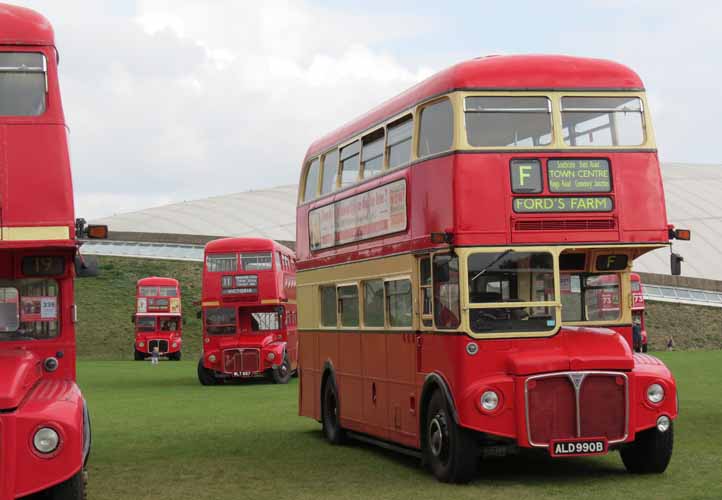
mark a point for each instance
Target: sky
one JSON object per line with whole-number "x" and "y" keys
{"x": 172, "y": 100}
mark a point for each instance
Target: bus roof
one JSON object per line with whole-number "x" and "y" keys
{"x": 227, "y": 245}
{"x": 157, "y": 281}
{"x": 23, "y": 26}
{"x": 514, "y": 72}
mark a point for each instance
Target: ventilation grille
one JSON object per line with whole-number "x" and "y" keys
{"x": 565, "y": 225}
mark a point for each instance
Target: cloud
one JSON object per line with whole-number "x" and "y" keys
{"x": 181, "y": 99}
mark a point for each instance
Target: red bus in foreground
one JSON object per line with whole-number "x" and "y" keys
{"x": 464, "y": 253}
{"x": 249, "y": 311}
{"x": 44, "y": 422}
{"x": 158, "y": 319}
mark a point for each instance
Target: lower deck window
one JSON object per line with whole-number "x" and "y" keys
{"x": 348, "y": 305}
{"x": 29, "y": 309}
{"x": 398, "y": 299}
{"x": 220, "y": 320}
{"x": 328, "y": 306}
{"x": 263, "y": 321}
{"x": 145, "y": 323}
{"x": 590, "y": 297}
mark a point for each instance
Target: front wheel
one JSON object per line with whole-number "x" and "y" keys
{"x": 205, "y": 376}
{"x": 650, "y": 452}
{"x": 282, "y": 374}
{"x": 139, "y": 356}
{"x": 72, "y": 489}
{"x": 644, "y": 347}
{"x": 330, "y": 414}
{"x": 176, "y": 356}
{"x": 449, "y": 450}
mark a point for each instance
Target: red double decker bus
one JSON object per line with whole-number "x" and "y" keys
{"x": 249, "y": 311}
{"x": 158, "y": 318}
{"x": 463, "y": 250}
{"x": 44, "y": 422}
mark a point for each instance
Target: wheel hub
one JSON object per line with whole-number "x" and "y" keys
{"x": 438, "y": 435}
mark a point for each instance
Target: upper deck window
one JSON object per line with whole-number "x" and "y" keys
{"x": 256, "y": 261}
{"x": 436, "y": 129}
{"x": 494, "y": 121}
{"x": 148, "y": 291}
{"x": 222, "y": 263}
{"x": 311, "y": 186}
{"x": 399, "y": 141}
{"x": 22, "y": 84}
{"x": 168, "y": 291}
{"x": 372, "y": 153}
{"x": 602, "y": 121}
{"x": 330, "y": 172}
{"x": 350, "y": 161}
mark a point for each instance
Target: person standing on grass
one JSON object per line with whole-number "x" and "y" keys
{"x": 670, "y": 343}
{"x": 154, "y": 356}
{"x": 637, "y": 336}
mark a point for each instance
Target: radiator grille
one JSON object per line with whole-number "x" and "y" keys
{"x": 576, "y": 405}
{"x": 241, "y": 360}
{"x": 162, "y": 345}
{"x": 565, "y": 225}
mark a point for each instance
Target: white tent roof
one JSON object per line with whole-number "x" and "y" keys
{"x": 693, "y": 192}
{"x": 694, "y": 201}
{"x": 268, "y": 213}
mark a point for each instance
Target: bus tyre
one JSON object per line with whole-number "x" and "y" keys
{"x": 449, "y": 450}
{"x": 650, "y": 453}
{"x": 282, "y": 373}
{"x": 176, "y": 356}
{"x": 330, "y": 414}
{"x": 139, "y": 356}
{"x": 644, "y": 348}
{"x": 72, "y": 489}
{"x": 205, "y": 376}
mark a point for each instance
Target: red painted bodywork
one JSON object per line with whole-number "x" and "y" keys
{"x": 173, "y": 338}
{"x": 381, "y": 378}
{"x": 276, "y": 289}
{"x": 36, "y": 191}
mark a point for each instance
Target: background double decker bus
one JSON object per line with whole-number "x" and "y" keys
{"x": 44, "y": 422}
{"x": 158, "y": 318}
{"x": 459, "y": 249}
{"x": 249, "y": 311}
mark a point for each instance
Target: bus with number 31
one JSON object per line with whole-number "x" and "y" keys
{"x": 464, "y": 257}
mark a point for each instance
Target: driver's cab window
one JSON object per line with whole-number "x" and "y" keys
{"x": 590, "y": 297}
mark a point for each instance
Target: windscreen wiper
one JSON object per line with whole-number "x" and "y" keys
{"x": 486, "y": 268}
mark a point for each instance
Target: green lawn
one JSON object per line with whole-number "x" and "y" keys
{"x": 159, "y": 435}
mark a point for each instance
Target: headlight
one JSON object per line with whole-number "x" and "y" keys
{"x": 663, "y": 423}
{"x": 489, "y": 400}
{"x": 655, "y": 393}
{"x": 175, "y": 344}
{"x": 212, "y": 358}
{"x": 141, "y": 344}
{"x": 46, "y": 440}
{"x": 271, "y": 356}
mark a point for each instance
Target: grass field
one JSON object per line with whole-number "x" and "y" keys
{"x": 159, "y": 435}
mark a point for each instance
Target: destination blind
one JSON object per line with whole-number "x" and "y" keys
{"x": 563, "y": 204}
{"x": 579, "y": 176}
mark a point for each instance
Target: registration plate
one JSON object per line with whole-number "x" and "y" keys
{"x": 578, "y": 447}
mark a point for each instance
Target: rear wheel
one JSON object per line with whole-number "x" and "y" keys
{"x": 72, "y": 489}
{"x": 449, "y": 450}
{"x": 139, "y": 356}
{"x": 205, "y": 376}
{"x": 282, "y": 374}
{"x": 330, "y": 414}
{"x": 650, "y": 452}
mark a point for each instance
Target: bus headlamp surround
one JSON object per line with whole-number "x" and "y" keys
{"x": 655, "y": 393}
{"x": 489, "y": 401}
{"x": 46, "y": 440}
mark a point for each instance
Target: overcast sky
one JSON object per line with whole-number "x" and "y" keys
{"x": 171, "y": 100}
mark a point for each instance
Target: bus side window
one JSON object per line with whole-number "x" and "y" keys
{"x": 446, "y": 291}
{"x": 350, "y": 164}
{"x": 311, "y": 182}
{"x": 426, "y": 292}
{"x": 348, "y": 305}
{"x": 330, "y": 172}
{"x": 399, "y": 303}
{"x": 398, "y": 149}
{"x": 436, "y": 128}
{"x": 328, "y": 306}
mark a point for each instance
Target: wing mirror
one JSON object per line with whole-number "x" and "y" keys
{"x": 86, "y": 266}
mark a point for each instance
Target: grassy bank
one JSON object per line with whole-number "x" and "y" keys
{"x": 159, "y": 435}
